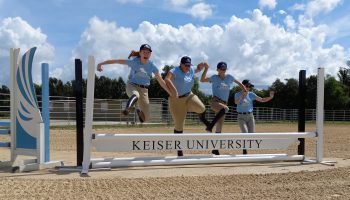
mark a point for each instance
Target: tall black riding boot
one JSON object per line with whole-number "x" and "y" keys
{"x": 203, "y": 119}
{"x": 220, "y": 114}
{"x": 216, "y": 152}
{"x": 131, "y": 102}
{"x": 179, "y": 152}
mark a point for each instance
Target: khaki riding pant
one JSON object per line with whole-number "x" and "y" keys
{"x": 180, "y": 106}
{"x": 216, "y": 106}
{"x": 142, "y": 95}
{"x": 246, "y": 123}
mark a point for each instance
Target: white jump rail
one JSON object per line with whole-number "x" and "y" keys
{"x": 192, "y": 141}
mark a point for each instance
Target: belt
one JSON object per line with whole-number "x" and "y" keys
{"x": 244, "y": 113}
{"x": 141, "y": 86}
{"x": 219, "y": 100}
{"x": 185, "y": 95}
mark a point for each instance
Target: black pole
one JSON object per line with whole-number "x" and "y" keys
{"x": 79, "y": 110}
{"x": 301, "y": 113}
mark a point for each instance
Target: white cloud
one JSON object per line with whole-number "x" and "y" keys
{"x": 130, "y": 1}
{"x": 282, "y": 12}
{"x": 270, "y": 4}
{"x": 339, "y": 28}
{"x": 201, "y": 11}
{"x": 179, "y": 3}
{"x": 17, "y": 33}
{"x": 298, "y": 7}
{"x": 316, "y": 7}
{"x": 196, "y": 8}
{"x": 254, "y": 47}
{"x": 290, "y": 22}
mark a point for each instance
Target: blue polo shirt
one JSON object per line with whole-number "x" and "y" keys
{"x": 141, "y": 73}
{"x": 183, "y": 82}
{"x": 221, "y": 88}
{"x": 246, "y": 104}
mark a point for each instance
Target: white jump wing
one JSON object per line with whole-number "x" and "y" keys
{"x": 28, "y": 114}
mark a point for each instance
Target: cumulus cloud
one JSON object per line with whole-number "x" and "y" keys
{"x": 314, "y": 8}
{"x": 17, "y": 33}
{"x": 290, "y": 22}
{"x": 201, "y": 11}
{"x": 197, "y": 9}
{"x": 254, "y": 47}
{"x": 270, "y": 4}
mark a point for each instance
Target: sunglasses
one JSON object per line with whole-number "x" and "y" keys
{"x": 222, "y": 69}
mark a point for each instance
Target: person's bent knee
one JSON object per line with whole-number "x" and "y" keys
{"x": 226, "y": 109}
{"x": 136, "y": 93}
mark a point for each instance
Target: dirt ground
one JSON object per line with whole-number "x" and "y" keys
{"x": 287, "y": 180}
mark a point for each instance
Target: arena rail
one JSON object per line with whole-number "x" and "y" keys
{"x": 193, "y": 141}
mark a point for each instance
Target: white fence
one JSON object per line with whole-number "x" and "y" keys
{"x": 62, "y": 109}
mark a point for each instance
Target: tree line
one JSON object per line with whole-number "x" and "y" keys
{"x": 337, "y": 92}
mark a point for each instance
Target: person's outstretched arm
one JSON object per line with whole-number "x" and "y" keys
{"x": 266, "y": 99}
{"x": 204, "y": 77}
{"x": 170, "y": 85}
{"x": 108, "y": 62}
{"x": 241, "y": 85}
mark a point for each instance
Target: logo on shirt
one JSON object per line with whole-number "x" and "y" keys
{"x": 142, "y": 73}
{"x": 187, "y": 79}
{"x": 223, "y": 86}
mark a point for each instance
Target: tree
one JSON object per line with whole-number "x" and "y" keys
{"x": 56, "y": 87}
{"x": 155, "y": 90}
{"x": 335, "y": 94}
{"x": 231, "y": 97}
{"x": 285, "y": 94}
{"x": 4, "y": 89}
{"x": 344, "y": 77}
{"x": 311, "y": 92}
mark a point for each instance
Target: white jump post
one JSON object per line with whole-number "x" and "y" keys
{"x": 320, "y": 114}
{"x": 89, "y": 111}
{"x": 190, "y": 141}
{"x": 319, "y": 121}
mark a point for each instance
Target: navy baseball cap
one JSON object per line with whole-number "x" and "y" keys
{"x": 246, "y": 82}
{"x": 145, "y": 46}
{"x": 186, "y": 60}
{"x": 221, "y": 65}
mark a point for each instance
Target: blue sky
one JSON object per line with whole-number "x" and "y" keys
{"x": 261, "y": 40}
